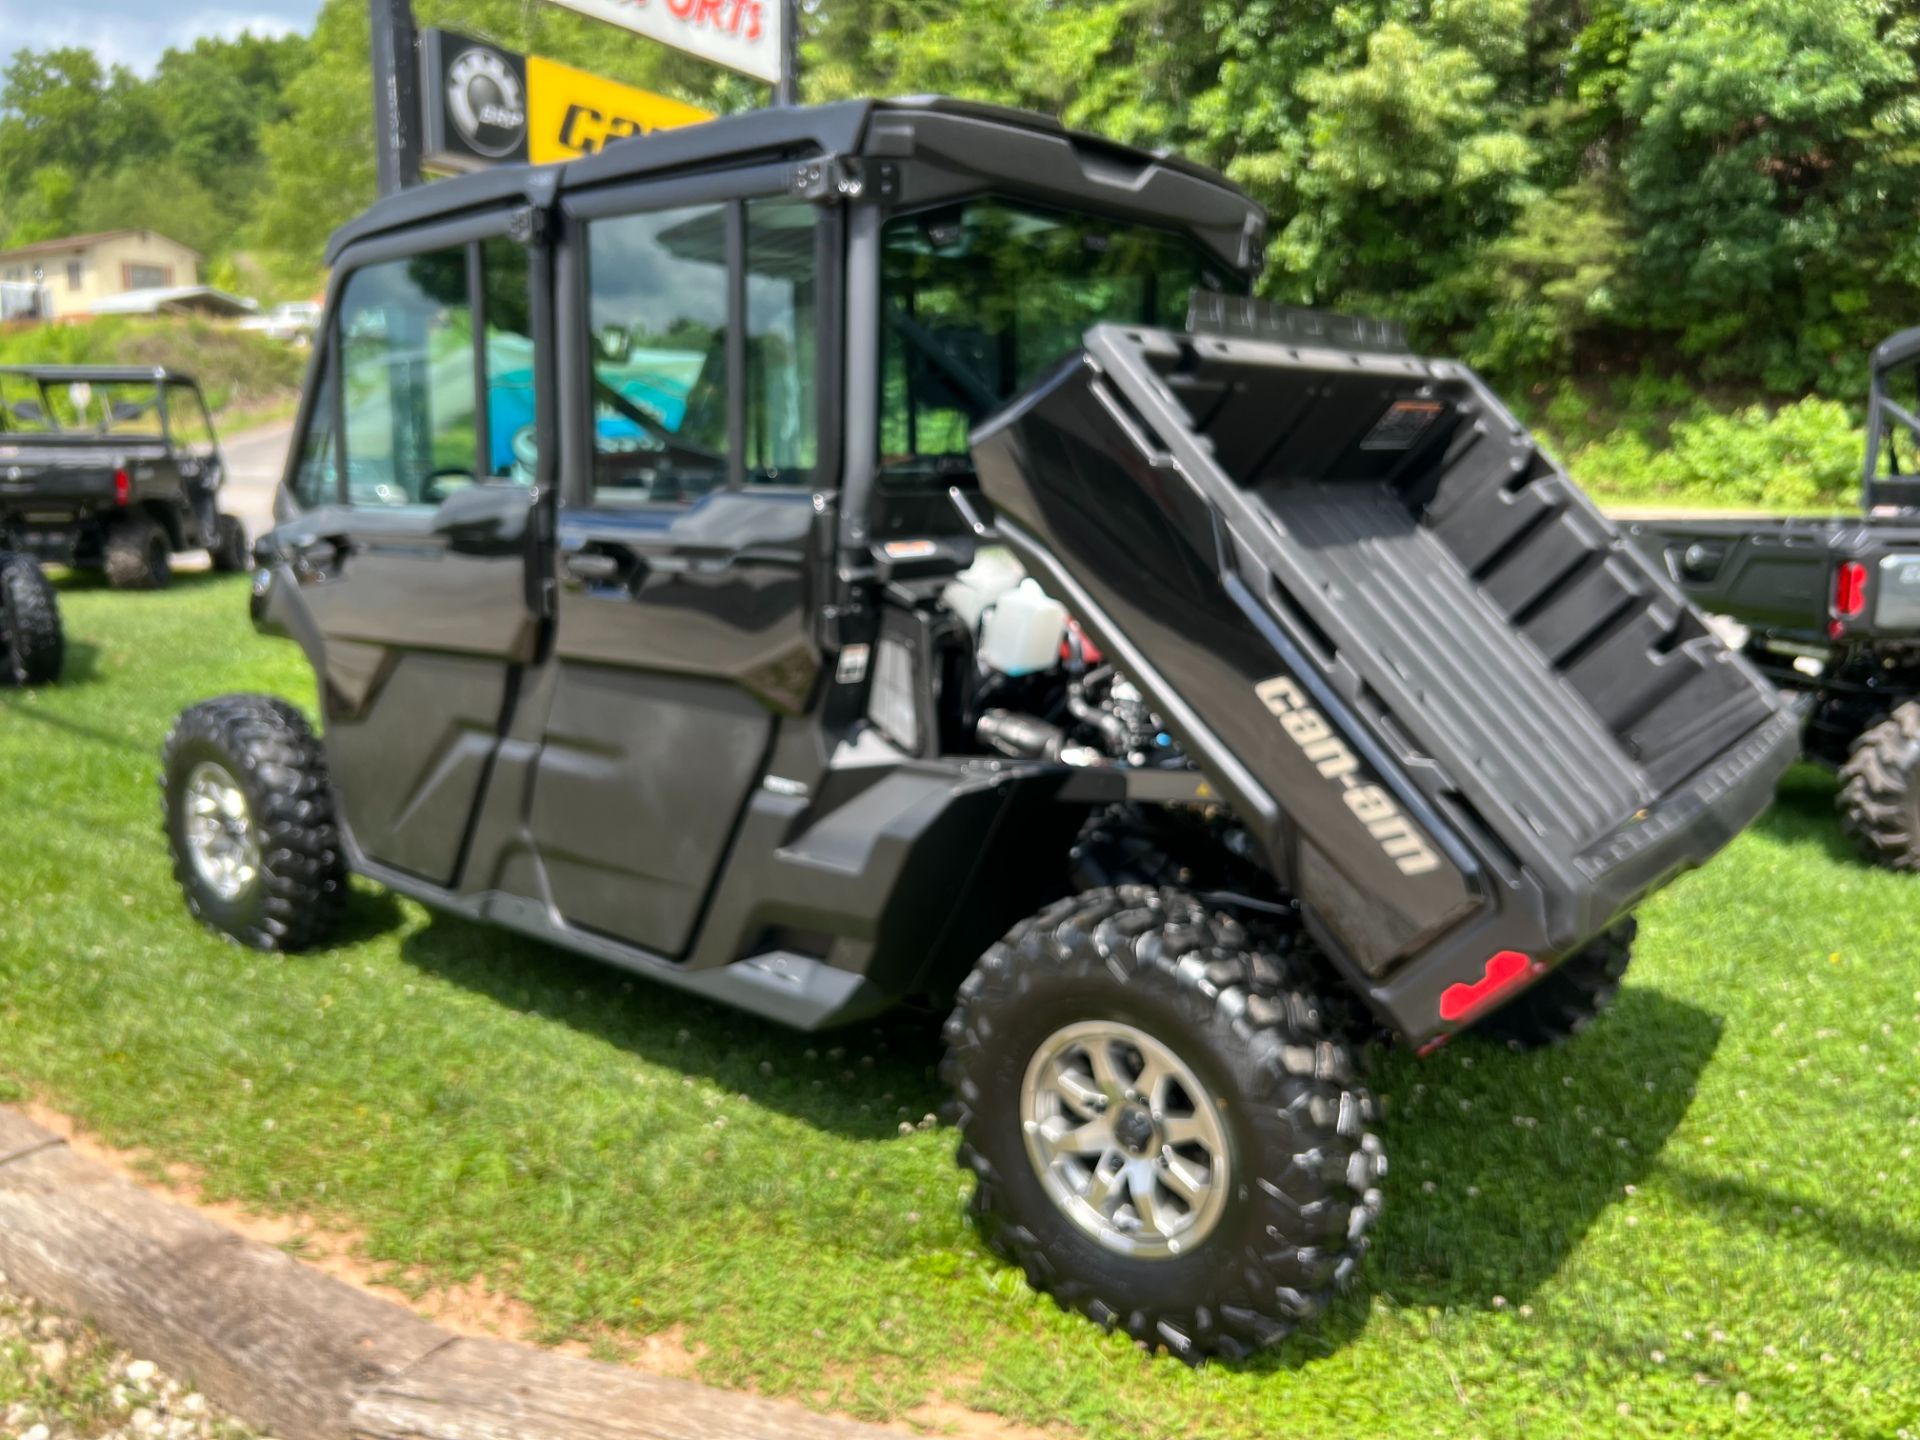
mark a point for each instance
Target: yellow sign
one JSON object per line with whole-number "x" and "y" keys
{"x": 571, "y": 113}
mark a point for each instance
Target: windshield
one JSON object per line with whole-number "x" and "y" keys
{"x": 980, "y": 299}
{"x": 23, "y": 409}
{"x": 29, "y": 405}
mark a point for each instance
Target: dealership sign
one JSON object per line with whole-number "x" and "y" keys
{"x": 743, "y": 35}
{"x": 489, "y": 106}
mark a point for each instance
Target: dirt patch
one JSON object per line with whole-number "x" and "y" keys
{"x": 470, "y": 1309}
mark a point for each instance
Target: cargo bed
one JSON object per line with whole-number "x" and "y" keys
{"x": 1392, "y": 631}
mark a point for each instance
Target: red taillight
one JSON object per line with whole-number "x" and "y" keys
{"x": 1504, "y": 971}
{"x": 1850, "y": 590}
{"x": 122, "y": 487}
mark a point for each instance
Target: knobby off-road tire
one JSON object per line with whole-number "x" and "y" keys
{"x": 265, "y": 867}
{"x": 1564, "y": 1002}
{"x": 1880, "y": 791}
{"x": 230, "y": 552}
{"x": 139, "y": 555}
{"x": 32, "y": 644}
{"x": 1244, "y": 1021}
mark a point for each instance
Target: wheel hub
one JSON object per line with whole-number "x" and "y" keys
{"x": 220, "y": 840}
{"x": 1125, "y": 1139}
{"x": 1135, "y": 1129}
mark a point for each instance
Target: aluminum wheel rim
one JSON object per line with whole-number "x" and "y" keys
{"x": 1125, "y": 1139}
{"x": 220, "y": 838}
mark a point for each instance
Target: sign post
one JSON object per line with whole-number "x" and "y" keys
{"x": 396, "y": 96}
{"x": 786, "y": 90}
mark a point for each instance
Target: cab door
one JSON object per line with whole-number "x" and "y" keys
{"x": 689, "y": 538}
{"x": 411, "y": 531}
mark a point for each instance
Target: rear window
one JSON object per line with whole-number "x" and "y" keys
{"x": 32, "y": 404}
{"x": 982, "y": 298}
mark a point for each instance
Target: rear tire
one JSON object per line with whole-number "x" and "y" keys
{"x": 32, "y": 644}
{"x": 250, "y": 823}
{"x": 230, "y": 552}
{"x": 1261, "y": 1069}
{"x": 139, "y": 555}
{"x": 1565, "y": 1001}
{"x": 1880, "y": 791}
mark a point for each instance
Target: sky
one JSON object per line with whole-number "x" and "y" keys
{"x": 134, "y": 32}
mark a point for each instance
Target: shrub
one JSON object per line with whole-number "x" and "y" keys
{"x": 234, "y": 367}
{"x": 1800, "y": 456}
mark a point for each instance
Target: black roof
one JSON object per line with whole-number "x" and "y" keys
{"x": 847, "y": 127}
{"x": 101, "y": 374}
{"x": 1902, "y": 345}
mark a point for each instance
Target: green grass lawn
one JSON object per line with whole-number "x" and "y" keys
{"x": 1701, "y": 1218}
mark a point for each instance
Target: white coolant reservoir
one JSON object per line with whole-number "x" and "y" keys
{"x": 993, "y": 573}
{"x": 1023, "y": 631}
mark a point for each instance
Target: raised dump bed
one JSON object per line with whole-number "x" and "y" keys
{"x": 1296, "y": 520}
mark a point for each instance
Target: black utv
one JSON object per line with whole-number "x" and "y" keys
{"x": 1829, "y": 609}
{"x": 112, "y": 468}
{"x": 829, "y": 557}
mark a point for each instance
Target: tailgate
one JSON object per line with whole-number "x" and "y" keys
{"x": 1781, "y": 577}
{"x": 57, "y": 481}
{"x": 1463, "y": 714}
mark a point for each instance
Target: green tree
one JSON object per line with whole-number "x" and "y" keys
{"x": 64, "y": 108}
{"x": 214, "y": 100}
{"x": 1772, "y": 176}
{"x": 320, "y": 157}
{"x": 165, "y": 196}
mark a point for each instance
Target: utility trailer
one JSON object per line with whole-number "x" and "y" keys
{"x": 833, "y": 557}
{"x": 1829, "y": 610}
{"x": 112, "y": 468}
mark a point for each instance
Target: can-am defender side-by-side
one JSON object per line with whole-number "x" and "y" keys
{"x": 112, "y": 468}
{"x": 814, "y": 559}
{"x": 1831, "y": 612}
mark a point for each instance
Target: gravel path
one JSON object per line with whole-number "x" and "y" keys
{"x": 60, "y": 1381}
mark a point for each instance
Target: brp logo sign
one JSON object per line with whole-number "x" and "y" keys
{"x": 488, "y": 103}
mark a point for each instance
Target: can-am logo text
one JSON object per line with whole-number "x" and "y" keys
{"x": 1371, "y": 805}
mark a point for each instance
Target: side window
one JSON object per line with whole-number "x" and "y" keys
{"x": 657, "y": 308}
{"x": 315, "y": 478}
{"x": 783, "y": 415}
{"x": 187, "y": 421}
{"x": 407, "y": 379}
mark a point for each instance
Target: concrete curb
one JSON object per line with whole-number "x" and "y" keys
{"x": 307, "y": 1356}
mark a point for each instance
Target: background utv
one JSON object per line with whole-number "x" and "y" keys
{"x": 1829, "y": 609}
{"x": 113, "y": 469}
{"x": 779, "y": 555}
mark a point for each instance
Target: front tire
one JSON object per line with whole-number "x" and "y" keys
{"x": 32, "y": 643}
{"x": 229, "y": 552}
{"x": 1165, "y": 1121}
{"x": 250, "y": 823}
{"x": 1568, "y": 998}
{"x": 139, "y": 555}
{"x": 1880, "y": 791}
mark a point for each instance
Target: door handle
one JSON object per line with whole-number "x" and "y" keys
{"x": 321, "y": 554}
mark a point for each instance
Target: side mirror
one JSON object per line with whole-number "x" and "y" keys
{"x": 486, "y": 519}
